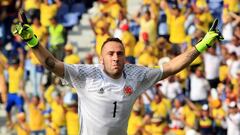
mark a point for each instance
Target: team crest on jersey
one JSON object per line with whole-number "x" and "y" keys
{"x": 101, "y": 91}
{"x": 128, "y": 90}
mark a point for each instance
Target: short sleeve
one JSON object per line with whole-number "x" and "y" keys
{"x": 152, "y": 76}
{"x": 74, "y": 74}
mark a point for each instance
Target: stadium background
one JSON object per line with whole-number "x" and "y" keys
{"x": 198, "y": 100}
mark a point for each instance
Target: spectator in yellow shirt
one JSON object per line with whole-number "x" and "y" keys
{"x": 48, "y": 11}
{"x": 203, "y": 18}
{"x": 163, "y": 48}
{"x": 22, "y": 126}
{"x": 70, "y": 57}
{"x": 55, "y": 100}
{"x": 148, "y": 24}
{"x": 140, "y": 46}
{"x": 231, "y": 6}
{"x": 72, "y": 118}
{"x": 157, "y": 126}
{"x": 205, "y": 117}
{"x": 15, "y": 73}
{"x": 190, "y": 119}
{"x": 32, "y": 8}
{"x": 35, "y": 107}
{"x": 175, "y": 21}
{"x": 3, "y": 87}
{"x": 50, "y": 127}
{"x": 128, "y": 40}
{"x": 135, "y": 120}
{"x": 218, "y": 115}
{"x": 101, "y": 34}
{"x": 41, "y": 31}
{"x": 147, "y": 58}
{"x": 114, "y": 8}
{"x": 160, "y": 105}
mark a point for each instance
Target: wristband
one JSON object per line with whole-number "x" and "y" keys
{"x": 200, "y": 46}
{"x": 33, "y": 42}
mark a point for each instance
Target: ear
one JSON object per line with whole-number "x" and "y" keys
{"x": 101, "y": 60}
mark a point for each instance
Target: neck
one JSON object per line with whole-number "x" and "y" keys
{"x": 115, "y": 76}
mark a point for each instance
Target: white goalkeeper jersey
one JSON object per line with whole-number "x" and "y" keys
{"x": 105, "y": 103}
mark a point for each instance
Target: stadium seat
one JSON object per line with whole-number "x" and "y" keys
{"x": 64, "y": 9}
{"x": 78, "y": 8}
{"x": 69, "y": 20}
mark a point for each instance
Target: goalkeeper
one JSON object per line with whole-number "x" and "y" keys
{"x": 107, "y": 91}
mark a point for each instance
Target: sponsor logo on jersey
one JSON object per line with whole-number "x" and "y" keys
{"x": 101, "y": 91}
{"x": 128, "y": 90}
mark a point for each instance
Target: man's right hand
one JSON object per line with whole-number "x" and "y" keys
{"x": 26, "y": 33}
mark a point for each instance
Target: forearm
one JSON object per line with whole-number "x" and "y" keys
{"x": 180, "y": 62}
{"x": 48, "y": 60}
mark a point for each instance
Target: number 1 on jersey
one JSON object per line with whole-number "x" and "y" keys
{"x": 115, "y": 109}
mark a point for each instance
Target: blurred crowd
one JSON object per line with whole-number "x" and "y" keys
{"x": 203, "y": 99}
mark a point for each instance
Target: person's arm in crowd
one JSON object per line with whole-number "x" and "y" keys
{"x": 25, "y": 96}
{"x": 59, "y": 3}
{"x": 146, "y": 119}
{"x": 173, "y": 117}
{"x": 145, "y": 132}
{"x": 193, "y": 106}
{"x": 153, "y": 15}
{"x": 18, "y": 4}
{"x": 164, "y": 5}
{"x": 21, "y": 57}
{"x": 188, "y": 12}
{"x": 48, "y": 94}
{"x": 3, "y": 86}
{"x": 236, "y": 18}
{"x": 21, "y": 65}
{"x": 137, "y": 16}
{"x": 92, "y": 24}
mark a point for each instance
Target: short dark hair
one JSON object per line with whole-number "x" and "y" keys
{"x": 110, "y": 39}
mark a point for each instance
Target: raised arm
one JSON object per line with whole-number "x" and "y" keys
{"x": 43, "y": 55}
{"x": 180, "y": 62}
{"x": 48, "y": 60}
{"x": 184, "y": 59}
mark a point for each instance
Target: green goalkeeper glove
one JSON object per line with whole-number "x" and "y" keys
{"x": 26, "y": 33}
{"x": 212, "y": 35}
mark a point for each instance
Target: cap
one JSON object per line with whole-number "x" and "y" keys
{"x": 232, "y": 104}
{"x": 215, "y": 103}
{"x": 124, "y": 27}
{"x": 68, "y": 46}
{"x": 205, "y": 107}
